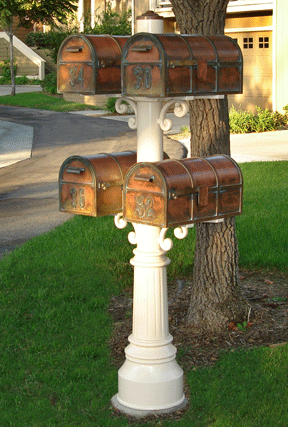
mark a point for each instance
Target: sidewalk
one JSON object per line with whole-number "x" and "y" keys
{"x": 15, "y": 140}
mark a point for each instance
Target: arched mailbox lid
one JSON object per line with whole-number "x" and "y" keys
{"x": 93, "y": 185}
{"x": 180, "y": 192}
{"x": 90, "y": 64}
{"x": 164, "y": 65}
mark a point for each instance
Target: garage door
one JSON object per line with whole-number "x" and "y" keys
{"x": 257, "y": 56}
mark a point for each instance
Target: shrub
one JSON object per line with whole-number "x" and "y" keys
{"x": 241, "y": 121}
{"x": 23, "y": 80}
{"x": 264, "y": 120}
{"x": 6, "y": 72}
{"x": 109, "y": 22}
{"x": 49, "y": 84}
{"x": 110, "y": 105}
{"x": 51, "y": 41}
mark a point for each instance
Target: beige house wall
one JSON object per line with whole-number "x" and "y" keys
{"x": 248, "y": 21}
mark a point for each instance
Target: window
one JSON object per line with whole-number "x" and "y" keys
{"x": 248, "y": 42}
{"x": 263, "y": 42}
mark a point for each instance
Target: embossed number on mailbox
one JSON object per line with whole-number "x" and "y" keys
{"x": 144, "y": 206}
{"x": 78, "y": 199}
{"x": 143, "y": 77}
{"x": 77, "y": 77}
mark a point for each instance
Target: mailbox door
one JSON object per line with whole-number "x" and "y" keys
{"x": 145, "y": 195}
{"x": 230, "y": 187}
{"x": 77, "y": 185}
{"x": 76, "y": 62}
{"x": 143, "y": 66}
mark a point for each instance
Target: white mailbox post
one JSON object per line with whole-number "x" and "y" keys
{"x": 150, "y": 379}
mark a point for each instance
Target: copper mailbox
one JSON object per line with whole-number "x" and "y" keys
{"x": 93, "y": 185}
{"x": 164, "y": 65}
{"x": 90, "y": 64}
{"x": 181, "y": 192}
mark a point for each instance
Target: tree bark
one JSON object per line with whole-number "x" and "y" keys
{"x": 215, "y": 299}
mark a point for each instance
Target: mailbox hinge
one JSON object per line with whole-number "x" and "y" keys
{"x": 108, "y": 184}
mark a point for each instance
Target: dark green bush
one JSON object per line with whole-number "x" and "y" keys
{"x": 6, "y": 72}
{"x": 110, "y": 105}
{"x": 51, "y": 41}
{"x": 49, "y": 84}
{"x": 106, "y": 23}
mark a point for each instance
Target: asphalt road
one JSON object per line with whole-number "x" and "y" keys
{"x": 29, "y": 189}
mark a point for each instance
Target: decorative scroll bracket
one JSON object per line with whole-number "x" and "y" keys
{"x": 180, "y": 233}
{"x": 119, "y": 221}
{"x": 180, "y": 110}
{"x": 121, "y": 106}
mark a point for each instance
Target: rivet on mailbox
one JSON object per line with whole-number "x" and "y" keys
{"x": 181, "y": 192}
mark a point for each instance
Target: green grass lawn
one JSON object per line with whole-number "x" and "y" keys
{"x": 44, "y": 102}
{"x": 55, "y": 365}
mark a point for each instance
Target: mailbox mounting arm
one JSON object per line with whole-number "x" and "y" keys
{"x": 122, "y": 108}
{"x": 119, "y": 221}
{"x": 180, "y": 110}
{"x": 180, "y": 233}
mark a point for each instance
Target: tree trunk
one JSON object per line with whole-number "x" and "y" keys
{"x": 215, "y": 299}
{"x": 13, "y": 90}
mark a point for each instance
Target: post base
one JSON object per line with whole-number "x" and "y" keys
{"x": 141, "y": 413}
{"x": 150, "y": 385}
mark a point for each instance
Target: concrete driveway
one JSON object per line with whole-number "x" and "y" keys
{"x": 29, "y": 188}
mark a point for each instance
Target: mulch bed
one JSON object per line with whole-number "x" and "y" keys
{"x": 267, "y": 293}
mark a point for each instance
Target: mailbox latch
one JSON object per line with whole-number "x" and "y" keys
{"x": 202, "y": 192}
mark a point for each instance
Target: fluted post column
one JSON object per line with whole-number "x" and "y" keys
{"x": 150, "y": 379}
